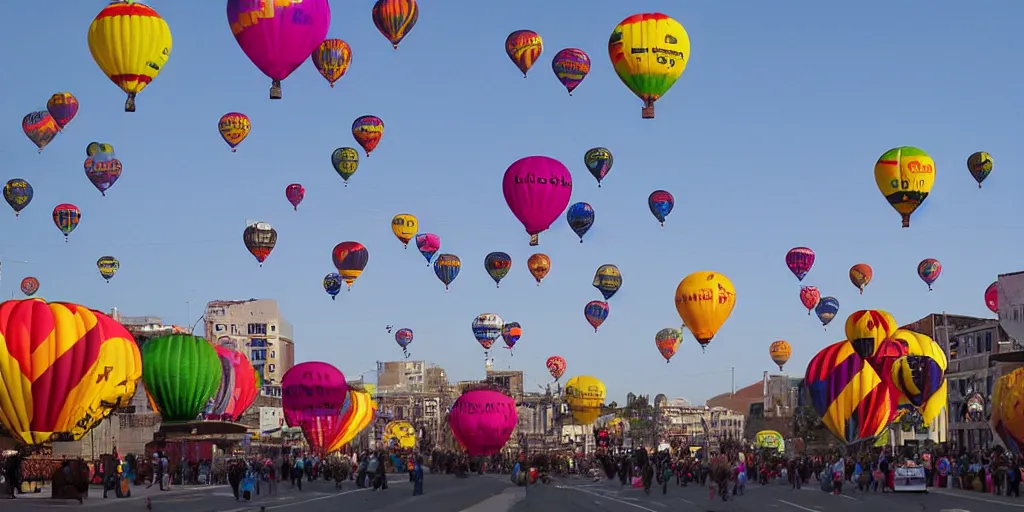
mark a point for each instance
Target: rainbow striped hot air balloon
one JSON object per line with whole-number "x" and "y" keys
{"x": 130, "y": 43}
{"x": 853, "y": 401}
{"x": 63, "y": 369}
{"x": 649, "y": 52}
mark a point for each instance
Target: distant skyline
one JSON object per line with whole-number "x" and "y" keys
{"x": 767, "y": 142}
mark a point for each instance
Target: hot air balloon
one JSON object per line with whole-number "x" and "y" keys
{"x": 826, "y": 310}
{"x": 867, "y": 329}
{"x": 580, "y": 217}
{"x": 992, "y": 297}
{"x": 482, "y": 420}
{"x": 607, "y": 280}
{"x": 29, "y": 286}
{"x": 888, "y": 352}
{"x": 260, "y": 239}
{"x": 800, "y": 260}
{"x": 571, "y": 66}
{"x": 446, "y": 268}
{"x": 404, "y": 337}
{"x": 1006, "y": 420}
{"x": 312, "y": 396}
{"x": 780, "y": 351}
{"x": 130, "y": 43}
{"x": 905, "y": 176}
{"x": 486, "y": 329}
{"x": 537, "y": 190}
{"x": 368, "y": 130}
{"x": 851, "y": 398}
{"x": 428, "y": 244}
{"x": 596, "y": 312}
{"x": 181, "y": 373}
{"x": 404, "y": 226}
{"x": 599, "y": 162}
{"x": 234, "y": 127}
{"x": 980, "y": 166}
{"x": 918, "y": 378}
{"x": 668, "y": 340}
{"x": 332, "y": 59}
{"x": 295, "y": 193}
{"x": 63, "y": 107}
{"x": 666, "y": 46}
{"x": 809, "y": 297}
{"x": 510, "y": 334}
{"x": 539, "y": 265}
{"x": 345, "y": 162}
{"x": 660, "y": 203}
{"x": 524, "y": 48}
{"x": 497, "y": 265}
{"x": 18, "y": 193}
{"x": 359, "y": 414}
{"x": 65, "y": 367}
{"x": 556, "y": 366}
{"x": 237, "y": 389}
{"x": 40, "y": 128}
{"x": 929, "y": 271}
{"x": 66, "y": 216}
{"x": 585, "y": 397}
{"x": 860, "y": 276}
{"x": 332, "y": 284}
{"x": 108, "y": 266}
{"x": 395, "y": 18}
{"x": 704, "y": 300}
{"x": 350, "y": 258}
{"x": 278, "y": 37}
{"x": 102, "y": 167}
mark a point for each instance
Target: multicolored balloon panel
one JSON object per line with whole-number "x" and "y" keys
{"x": 40, "y": 128}
{"x": 368, "y": 131}
{"x": 332, "y": 59}
{"x": 649, "y": 53}
{"x": 905, "y": 176}
{"x": 571, "y": 66}
{"x": 848, "y": 394}
{"x": 18, "y": 193}
{"x": 395, "y": 18}
{"x": 234, "y": 127}
{"x": 524, "y": 48}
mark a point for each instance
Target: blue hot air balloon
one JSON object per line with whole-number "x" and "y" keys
{"x": 332, "y": 284}
{"x": 826, "y": 309}
{"x": 660, "y": 202}
{"x": 580, "y": 217}
{"x": 446, "y": 268}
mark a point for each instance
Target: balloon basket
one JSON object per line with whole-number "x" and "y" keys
{"x": 534, "y": 240}
{"x": 129, "y": 104}
{"x": 275, "y": 90}
{"x": 906, "y": 220}
{"x": 647, "y": 112}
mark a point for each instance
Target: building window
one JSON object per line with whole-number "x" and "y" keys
{"x": 258, "y": 329}
{"x": 273, "y": 328}
{"x": 220, "y": 328}
{"x": 234, "y": 329}
{"x": 273, "y": 354}
{"x": 271, "y": 367}
{"x": 988, "y": 341}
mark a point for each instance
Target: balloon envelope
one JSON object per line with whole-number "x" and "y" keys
{"x": 537, "y": 190}
{"x": 848, "y": 394}
{"x": 312, "y": 396}
{"x": 482, "y": 421}
{"x": 181, "y": 373}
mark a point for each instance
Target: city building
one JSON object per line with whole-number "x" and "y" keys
{"x": 509, "y": 381}
{"x": 257, "y": 328}
{"x": 682, "y": 424}
{"x": 417, "y": 392}
{"x": 410, "y": 377}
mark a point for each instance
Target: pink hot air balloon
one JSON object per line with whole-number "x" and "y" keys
{"x": 312, "y": 396}
{"x": 279, "y": 36}
{"x": 482, "y": 420}
{"x": 295, "y": 193}
{"x": 537, "y": 190}
{"x": 237, "y": 386}
{"x": 992, "y": 297}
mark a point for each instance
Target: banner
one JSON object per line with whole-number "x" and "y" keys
{"x": 909, "y": 479}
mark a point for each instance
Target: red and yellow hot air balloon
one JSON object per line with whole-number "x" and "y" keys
{"x": 395, "y": 18}
{"x": 358, "y": 413}
{"x": 780, "y": 351}
{"x": 860, "y": 276}
{"x": 63, "y": 369}
{"x": 130, "y": 43}
{"x": 853, "y": 401}
{"x": 867, "y": 329}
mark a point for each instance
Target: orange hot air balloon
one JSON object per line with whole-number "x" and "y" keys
{"x": 524, "y": 48}
{"x": 867, "y": 329}
{"x": 780, "y": 351}
{"x": 539, "y": 265}
{"x": 860, "y": 276}
{"x": 63, "y": 369}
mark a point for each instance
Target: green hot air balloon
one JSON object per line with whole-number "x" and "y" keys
{"x": 181, "y": 373}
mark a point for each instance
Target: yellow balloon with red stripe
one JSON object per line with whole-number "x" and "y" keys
{"x": 359, "y": 416}
{"x": 130, "y": 43}
{"x": 63, "y": 369}
{"x": 780, "y": 351}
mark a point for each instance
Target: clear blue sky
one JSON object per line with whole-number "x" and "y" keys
{"x": 768, "y": 142}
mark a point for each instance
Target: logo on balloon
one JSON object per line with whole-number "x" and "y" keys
{"x": 553, "y": 180}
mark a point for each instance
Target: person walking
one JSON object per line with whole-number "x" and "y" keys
{"x": 666, "y": 477}
{"x": 382, "y": 474}
{"x": 417, "y": 477}
{"x": 371, "y": 471}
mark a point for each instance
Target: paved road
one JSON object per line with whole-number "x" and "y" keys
{"x": 580, "y": 495}
{"x": 442, "y": 494}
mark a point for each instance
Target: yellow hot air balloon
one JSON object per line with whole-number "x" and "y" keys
{"x": 130, "y": 43}
{"x": 918, "y": 344}
{"x": 780, "y": 352}
{"x": 399, "y": 434}
{"x": 362, "y": 412}
{"x": 770, "y": 439}
{"x": 585, "y": 396}
{"x": 905, "y": 175}
{"x": 867, "y": 329}
{"x": 1007, "y": 418}
{"x": 704, "y": 300}
{"x": 649, "y": 53}
{"x": 405, "y": 226}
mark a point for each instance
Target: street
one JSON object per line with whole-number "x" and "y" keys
{"x": 608, "y": 496}
{"x": 442, "y": 493}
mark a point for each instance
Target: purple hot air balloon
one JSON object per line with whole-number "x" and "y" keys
{"x": 276, "y": 38}
{"x": 537, "y": 190}
{"x": 312, "y": 396}
{"x": 482, "y": 421}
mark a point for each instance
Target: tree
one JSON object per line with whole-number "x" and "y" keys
{"x": 807, "y": 424}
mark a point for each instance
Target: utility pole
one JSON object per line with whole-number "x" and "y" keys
{"x": 732, "y": 388}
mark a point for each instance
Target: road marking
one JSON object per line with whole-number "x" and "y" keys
{"x": 966, "y": 496}
{"x": 310, "y": 500}
{"x": 849, "y": 497}
{"x": 801, "y": 507}
{"x": 684, "y": 500}
{"x": 609, "y": 498}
